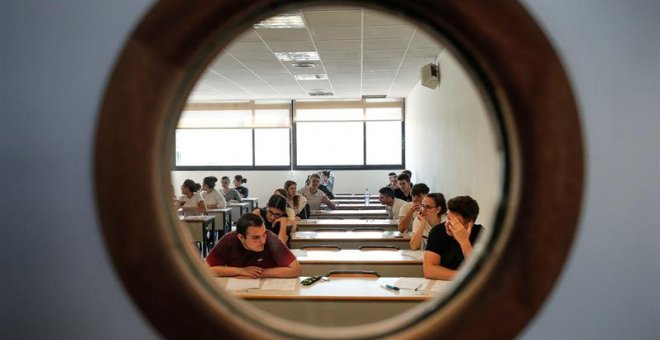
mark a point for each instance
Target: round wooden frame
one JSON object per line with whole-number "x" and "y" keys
{"x": 517, "y": 68}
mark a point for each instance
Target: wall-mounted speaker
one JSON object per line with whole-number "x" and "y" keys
{"x": 430, "y": 75}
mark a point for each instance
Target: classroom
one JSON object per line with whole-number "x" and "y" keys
{"x": 357, "y": 93}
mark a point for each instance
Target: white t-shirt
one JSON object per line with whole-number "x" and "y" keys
{"x": 395, "y": 209}
{"x": 301, "y": 204}
{"x": 192, "y": 202}
{"x": 314, "y": 200}
{"x": 215, "y": 197}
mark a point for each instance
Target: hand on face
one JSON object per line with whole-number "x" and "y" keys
{"x": 460, "y": 231}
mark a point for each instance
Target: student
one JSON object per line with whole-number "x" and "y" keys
{"x": 328, "y": 180}
{"x": 425, "y": 221}
{"x": 276, "y": 219}
{"x": 410, "y": 210}
{"x": 252, "y": 251}
{"x": 212, "y": 197}
{"x": 392, "y": 204}
{"x": 404, "y": 188}
{"x": 191, "y": 201}
{"x": 393, "y": 182}
{"x": 238, "y": 185}
{"x": 231, "y": 195}
{"x": 297, "y": 202}
{"x": 450, "y": 243}
{"x": 315, "y": 196}
{"x": 290, "y": 213}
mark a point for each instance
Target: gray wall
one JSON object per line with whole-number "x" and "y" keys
{"x": 57, "y": 281}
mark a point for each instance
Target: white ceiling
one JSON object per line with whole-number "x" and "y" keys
{"x": 363, "y": 52}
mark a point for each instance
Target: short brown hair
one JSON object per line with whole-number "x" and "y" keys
{"x": 465, "y": 206}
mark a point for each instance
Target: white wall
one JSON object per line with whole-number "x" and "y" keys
{"x": 450, "y": 140}
{"x": 263, "y": 183}
{"x": 58, "y": 282}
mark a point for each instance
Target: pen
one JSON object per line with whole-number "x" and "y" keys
{"x": 395, "y": 288}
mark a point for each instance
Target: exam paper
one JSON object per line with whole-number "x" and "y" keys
{"x": 440, "y": 286}
{"x": 279, "y": 284}
{"x": 299, "y": 252}
{"x": 418, "y": 255}
{"x": 239, "y": 284}
{"x": 409, "y": 283}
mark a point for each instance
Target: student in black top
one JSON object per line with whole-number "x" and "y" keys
{"x": 404, "y": 191}
{"x": 238, "y": 185}
{"x": 450, "y": 243}
{"x": 275, "y": 217}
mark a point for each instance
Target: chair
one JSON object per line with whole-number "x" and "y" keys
{"x": 321, "y": 247}
{"x": 379, "y": 247}
{"x": 353, "y": 273}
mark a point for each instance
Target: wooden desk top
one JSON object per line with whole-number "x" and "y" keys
{"x": 350, "y": 196}
{"x": 356, "y": 206}
{"x": 218, "y": 210}
{"x": 199, "y": 218}
{"x": 345, "y": 289}
{"x": 348, "y": 235}
{"x": 355, "y": 256}
{"x": 354, "y": 212}
{"x": 349, "y": 222}
{"x": 354, "y": 200}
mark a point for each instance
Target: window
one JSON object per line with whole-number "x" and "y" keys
{"x": 337, "y": 134}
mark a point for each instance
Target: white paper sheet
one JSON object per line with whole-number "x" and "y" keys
{"x": 279, "y": 284}
{"x": 417, "y": 255}
{"x": 440, "y": 286}
{"x": 410, "y": 283}
{"x": 299, "y": 252}
{"x": 241, "y": 284}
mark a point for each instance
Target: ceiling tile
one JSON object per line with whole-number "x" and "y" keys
{"x": 247, "y": 47}
{"x": 283, "y": 34}
{"x": 384, "y": 44}
{"x": 340, "y": 33}
{"x": 404, "y": 32}
{"x": 292, "y": 46}
{"x": 317, "y": 19}
{"x": 339, "y": 45}
{"x": 375, "y": 18}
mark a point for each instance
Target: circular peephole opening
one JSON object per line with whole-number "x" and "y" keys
{"x": 524, "y": 134}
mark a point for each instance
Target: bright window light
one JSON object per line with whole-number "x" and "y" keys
{"x": 271, "y": 147}
{"x": 330, "y": 143}
{"x": 210, "y": 147}
{"x": 383, "y": 143}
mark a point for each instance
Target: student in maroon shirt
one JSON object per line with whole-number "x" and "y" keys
{"x": 252, "y": 252}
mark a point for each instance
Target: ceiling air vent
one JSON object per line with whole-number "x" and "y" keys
{"x": 320, "y": 93}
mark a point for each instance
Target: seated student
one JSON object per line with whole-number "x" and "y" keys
{"x": 238, "y": 185}
{"x": 426, "y": 219}
{"x": 328, "y": 180}
{"x": 252, "y": 251}
{"x": 276, "y": 219}
{"x": 315, "y": 196}
{"x": 191, "y": 201}
{"x": 393, "y": 182}
{"x": 404, "y": 188}
{"x": 297, "y": 202}
{"x": 290, "y": 213}
{"x": 451, "y": 242}
{"x": 410, "y": 210}
{"x": 231, "y": 195}
{"x": 392, "y": 204}
{"x": 212, "y": 197}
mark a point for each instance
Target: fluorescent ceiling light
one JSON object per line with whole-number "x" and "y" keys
{"x": 322, "y": 76}
{"x": 284, "y": 20}
{"x": 320, "y": 93}
{"x": 297, "y": 56}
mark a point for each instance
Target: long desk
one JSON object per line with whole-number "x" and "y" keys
{"x": 366, "y": 213}
{"x": 353, "y": 196}
{"x": 238, "y": 209}
{"x": 354, "y": 200}
{"x": 356, "y": 206}
{"x": 350, "y": 239}
{"x": 386, "y": 262}
{"x": 348, "y": 224}
{"x": 253, "y": 201}
{"x": 341, "y": 301}
{"x": 198, "y": 227}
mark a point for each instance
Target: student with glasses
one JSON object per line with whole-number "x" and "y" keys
{"x": 276, "y": 219}
{"x": 450, "y": 243}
